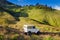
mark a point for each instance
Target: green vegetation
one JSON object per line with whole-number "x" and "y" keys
{"x": 49, "y": 38}
{"x": 39, "y": 15}
{"x": 1, "y": 37}
{"x": 32, "y": 37}
{"x": 35, "y": 37}
{"x": 43, "y": 17}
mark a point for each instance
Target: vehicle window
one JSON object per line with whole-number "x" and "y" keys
{"x": 31, "y": 27}
{"x": 34, "y": 27}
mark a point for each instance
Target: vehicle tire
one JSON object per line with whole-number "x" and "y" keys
{"x": 38, "y": 32}
{"x": 29, "y": 33}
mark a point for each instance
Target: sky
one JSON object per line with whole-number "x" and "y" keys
{"x": 53, "y": 3}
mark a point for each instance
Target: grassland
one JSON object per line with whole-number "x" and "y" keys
{"x": 44, "y": 18}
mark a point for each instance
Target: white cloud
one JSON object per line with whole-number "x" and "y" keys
{"x": 56, "y": 7}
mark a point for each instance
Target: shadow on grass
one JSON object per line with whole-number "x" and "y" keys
{"x": 44, "y": 22}
{"x": 16, "y": 15}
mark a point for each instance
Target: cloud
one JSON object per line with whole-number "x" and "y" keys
{"x": 56, "y": 7}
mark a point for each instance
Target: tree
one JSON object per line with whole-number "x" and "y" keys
{"x": 30, "y": 7}
{"x": 39, "y": 6}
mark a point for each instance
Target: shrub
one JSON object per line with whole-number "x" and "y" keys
{"x": 1, "y": 37}
{"x": 35, "y": 37}
{"x": 18, "y": 38}
{"x": 48, "y": 38}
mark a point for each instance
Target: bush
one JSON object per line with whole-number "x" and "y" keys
{"x": 19, "y": 38}
{"x": 1, "y": 37}
{"x": 48, "y": 38}
{"x": 35, "y": 37}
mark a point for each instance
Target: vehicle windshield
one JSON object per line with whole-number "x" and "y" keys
{"x": 31, "y": 27}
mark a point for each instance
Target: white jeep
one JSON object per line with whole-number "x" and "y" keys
{"x": 30, "y": 29}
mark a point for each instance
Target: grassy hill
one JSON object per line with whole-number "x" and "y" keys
{"x": 39, "y": 15}
{"x": 43, "y": 17}
{"x": 46, "y": 17}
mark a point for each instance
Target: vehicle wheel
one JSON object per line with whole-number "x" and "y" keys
{"x": 38, "y": 32}
{"x": 29, "y": 33}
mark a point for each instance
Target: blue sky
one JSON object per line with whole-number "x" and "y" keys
{"x": 53, "y": 3}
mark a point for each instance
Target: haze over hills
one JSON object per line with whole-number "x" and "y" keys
{"x": 39, "y": 15}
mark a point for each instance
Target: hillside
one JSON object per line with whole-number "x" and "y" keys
{"x": 43, "y": 17}
{"x": 13, "y": 17}
{"x": 5, "y": 17}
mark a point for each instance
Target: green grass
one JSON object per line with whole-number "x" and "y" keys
{"x": 46, "y": 17}
{"x": 40, "y": 15}
{"x": 4, "y": 16}
{"x": 45, "y": 20}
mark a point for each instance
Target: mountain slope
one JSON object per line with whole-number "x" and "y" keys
{"x": 39, "y": 15}
{"x": 47, "y": 17}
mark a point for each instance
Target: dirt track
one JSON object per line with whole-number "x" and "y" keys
{"x": 8, "y": 29}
